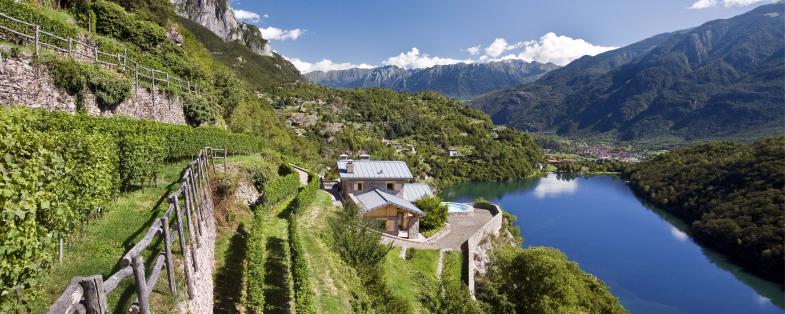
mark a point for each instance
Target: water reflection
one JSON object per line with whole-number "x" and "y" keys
{"x": 552, "y": 186}
{"x": 640, "y": 250}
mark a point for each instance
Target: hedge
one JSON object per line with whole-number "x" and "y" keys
{"x": 254, "y": 300}
{"x": 51, "y": 181}
{"x": 307, "y": 195}
{"x": 280, "y": 188}
{"x": 301, "y": 273}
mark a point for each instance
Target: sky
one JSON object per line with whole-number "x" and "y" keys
{"x": 341, "y": 34}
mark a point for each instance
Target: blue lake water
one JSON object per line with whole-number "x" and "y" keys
{"x": 644, "y": 254}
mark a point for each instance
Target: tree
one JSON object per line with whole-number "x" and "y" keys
{"x": 542, "y": 280}
{"x": 435, "y": 213}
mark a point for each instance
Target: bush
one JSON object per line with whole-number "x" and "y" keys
{"x": 140, "y": 157}
{"x": 542, "y": 280}
{"x": 301, "y": 273}
{"x": 198, "y": 111}
{"x": 279, "y": 189}
{"x": 254, "y": 300}
{"x": 36, "y": 14}
{"x": 112, "y": 20}
{"x": 76, "y": 79}
{"x": 435, "y": 213}
{"x": 52, "y": 181}
{"x": 307, "y": 195}
{"x": 355, "y": 241}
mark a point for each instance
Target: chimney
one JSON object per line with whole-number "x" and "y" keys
{"x": 343, "y": 157}
{"x": 350, "y": 166}
{"x": 365, "y": 156}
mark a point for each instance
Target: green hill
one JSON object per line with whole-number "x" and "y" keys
{"x": 731, "y": 194}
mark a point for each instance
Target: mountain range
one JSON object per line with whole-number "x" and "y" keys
{"x": 721, "y": 80}
{"x": 462, "y": 80}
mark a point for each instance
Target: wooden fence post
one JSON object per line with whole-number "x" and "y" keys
{"x": 181, "y": 234}
{"x": 224, "y": 158}
{"x": 60, "y": 250}
{"x": 94, "y": 297}
{"x": 152, "y": 74}
{"x": 188, "y": 211}
{"x": 136, "y": 79}
{"x": 37, "y": 39}
{"x": 168, "y": 252}
{"x": 141, "y": 284}
{"x": 125, "y": 57}
{"x": 70, "y": 48}
{"x": 95, "y": 53}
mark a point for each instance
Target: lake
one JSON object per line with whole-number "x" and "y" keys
{"x": 642, "y": 253}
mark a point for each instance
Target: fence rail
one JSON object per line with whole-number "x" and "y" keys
{"x": 31, "y": 32}
{"x": 89, "y": 294}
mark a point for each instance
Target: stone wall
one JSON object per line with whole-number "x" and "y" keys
{"x": 469, "y": 248}
{"x": 22, "y": 82}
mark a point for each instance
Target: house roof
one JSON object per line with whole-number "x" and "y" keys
{"x": 373, "y": 200}
{"x": 375, "y": 170}
{"x": 415, "y": 191}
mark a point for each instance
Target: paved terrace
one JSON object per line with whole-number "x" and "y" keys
{"x": 462, "y": 227}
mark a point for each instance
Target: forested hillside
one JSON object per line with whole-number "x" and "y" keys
{"x": 418, "y": 128}
{"x": 720, "y": 80}
{"x": 731, "y": 194}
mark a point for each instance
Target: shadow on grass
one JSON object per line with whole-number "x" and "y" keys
{"x": 276, "y": 277}
{"x": 228, "y": 288}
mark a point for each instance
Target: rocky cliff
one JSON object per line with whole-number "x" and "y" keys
{"x": 218, "y": 17}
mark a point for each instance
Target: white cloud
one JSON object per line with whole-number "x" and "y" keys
{"x": 703, "y": 4}
{"x": 498, "y": 47}
{"x": 557, "y": 49}
{"x": 678, "y": 234}
{"x": 414, "y": 60}
{"x": 247, "y": 15}
{"x": 553, "y": 186}
{"x": 274, "y": 33}
{"x": 324, "y": 65}
{"x": 473, "y": 50}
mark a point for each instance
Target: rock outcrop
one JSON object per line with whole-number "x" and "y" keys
{"x": 219, "y": 18}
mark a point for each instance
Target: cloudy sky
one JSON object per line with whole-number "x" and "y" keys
{"x": 329, "y": 35}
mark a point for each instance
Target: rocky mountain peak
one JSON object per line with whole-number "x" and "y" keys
{"x": 218, "y": 17}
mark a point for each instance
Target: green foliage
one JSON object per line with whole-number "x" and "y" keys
{"x": 428, "y": 122}
{"x": 112, "y": 20}
{"x": 32, "y": 13}
{"x": 77, "y": 78}
{"x": 355, "y": 241}
{"x": 279, "y": 189}
{"x": 198, "y": 110}
{"x": 140, "y": 157}
{"x": 590, "y": 166}
{"x": 731, "y": 194}
{"x": 306, "y": 195}
{"x": 301, "y": 273}
{"x": 542, "y": 280}
{"x": 52, "y": 181}
{"x": 435, "y": 213}
{"x": 254, "y": 287}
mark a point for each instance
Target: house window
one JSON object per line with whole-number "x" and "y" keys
{"x": 359, "y": 187}
{"x": 390, "y": 186}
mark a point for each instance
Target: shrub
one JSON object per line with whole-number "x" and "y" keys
{"x": 254, "y": 302}
{"x": 36, "y": 14}
{"x": 140, "y": 157}
{"x": 307, "y": 195}
{"x": 301, "y": 273}
{"x": 112, "y": 20}
{"x": 280, "y": 188}
{"x": 76, "y": 79}
{"x": 355, "y": 241}
{"x": 198, "y": 111}
{"x": 435, "y": 213}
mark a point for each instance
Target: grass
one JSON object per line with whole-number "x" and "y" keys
{"x": 452, "y": 266}
{"x": 333, "y": 280}
{"x": 104, "y": 241}
{"x": 230, "y": 251}
{"x": 408, "y": 279}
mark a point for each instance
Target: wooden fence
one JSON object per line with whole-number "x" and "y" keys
{"x": 186, "y": 223}
{"x": 73, "y": 47}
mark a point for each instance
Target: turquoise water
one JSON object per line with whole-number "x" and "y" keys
{"x": 644, "y": 254}
{"x": 458, "y": 207}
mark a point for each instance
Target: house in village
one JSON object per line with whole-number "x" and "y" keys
{"x": 384, "y": 192}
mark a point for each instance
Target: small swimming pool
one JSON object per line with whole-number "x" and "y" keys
{"x": 458, "y": 207}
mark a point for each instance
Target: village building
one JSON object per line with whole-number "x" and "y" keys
{"x": 384, "y": 191}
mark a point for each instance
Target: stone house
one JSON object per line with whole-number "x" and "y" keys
{"x": 384, "y": 192}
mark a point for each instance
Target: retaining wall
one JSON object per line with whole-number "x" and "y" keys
{"x": 469, "y": 248}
